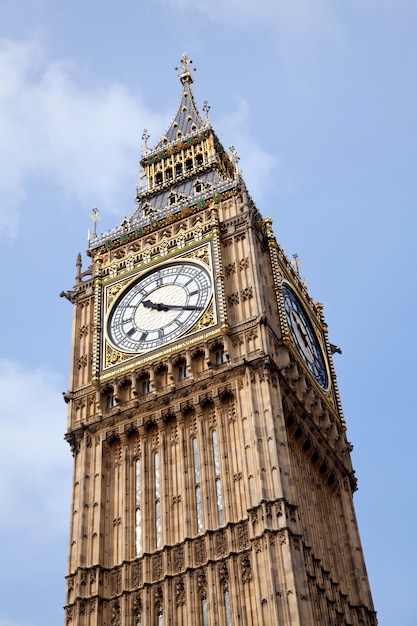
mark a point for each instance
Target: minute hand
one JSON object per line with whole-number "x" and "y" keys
{"x": 159, "y": 306}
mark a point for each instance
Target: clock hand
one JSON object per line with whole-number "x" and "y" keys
{"x": 159, "y": 306}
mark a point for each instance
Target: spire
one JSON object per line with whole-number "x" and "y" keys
{"x": 187, "y": 119}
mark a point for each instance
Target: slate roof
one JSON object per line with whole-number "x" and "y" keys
{"x": 187, "y": 118}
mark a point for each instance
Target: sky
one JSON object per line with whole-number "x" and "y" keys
{"x": 320, "y": 101}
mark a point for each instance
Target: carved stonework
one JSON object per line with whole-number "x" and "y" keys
{"x": 136, "y": 574}
{"x": 246, "y": 294}
{"x": 180, "y": 592}
{"x": 246, "y": 569}
{"x": 157, "y": 567}
{"x": 115, "y": 613}
{"x": 179, "y": 558}
{"x": 221, "y": 543}
{"x": 201, "y": 579}
{"x": 242, "y": 531}
{"x": 200, "y": 551}
{"x": 223, "y": 572}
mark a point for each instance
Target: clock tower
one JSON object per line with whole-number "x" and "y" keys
{"x": 212, "y": 480}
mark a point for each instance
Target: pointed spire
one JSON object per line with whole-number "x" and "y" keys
{"x": 187, "y": 119}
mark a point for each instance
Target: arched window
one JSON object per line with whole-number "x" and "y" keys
{"x": 217, "y": 478}
{"x": 204, "y": 608}
{"x": 157, "y": 500}
{"x": 138, "y": 521}
{"x": 197, "y": 485}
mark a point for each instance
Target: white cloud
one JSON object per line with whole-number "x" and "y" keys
{"x": 35, "y": 461}
{"x": 296, "y": 22}
{"x": 257, "y": 164}
{"x": 58, "y": 127}
{"x": 7, "y": 622}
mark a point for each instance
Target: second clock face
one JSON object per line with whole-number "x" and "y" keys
{"x": 305, "y": 337}
{"x": 160, "y": 307}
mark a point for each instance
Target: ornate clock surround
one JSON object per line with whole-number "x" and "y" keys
{"x": 204, "y": 254}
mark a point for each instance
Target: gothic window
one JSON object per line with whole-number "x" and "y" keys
{"x": 161, "y": 377}
{"x": 160, "y": 615}
{"x": 189, "y": 165}
{"x": 145, "y": 385}
{"x": 168, "y": 174}
{"x": 197, "y": 486}
{"x": 158, "y": 178}
{"x": 199, "y": 159}
{"x": 110, "y": 400}
{"x": 157, "y": 500}
{"x": 220, "y": 356}
{"x": 227, "y": 606}
{"x": 217, "y": 478}
{"x": 138, "y": 520}
{"x": 204, "y": 609}
{"x": 178, "y": 169}
{"x": 172, "y": 199}
{"x": 198, "y": 361}
{"x": 182, "y": 369}
{"x": 198, "y": 187}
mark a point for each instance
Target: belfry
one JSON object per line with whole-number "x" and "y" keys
{"x": 212, "y": 481}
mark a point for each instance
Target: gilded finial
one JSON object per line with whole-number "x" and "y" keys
{"x": 95, "y": 217}
{"x": 206, "y": 109}
{"x": 296, "y": 263}
{"x": 185, "y": 75}
{"x": 144, "y": 146}
{"x": 235, "y": 159}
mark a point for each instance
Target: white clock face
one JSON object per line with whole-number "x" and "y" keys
{"x": 305, "y": 337}
{"x": 159, "y": 307}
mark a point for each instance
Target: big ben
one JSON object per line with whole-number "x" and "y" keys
{"x": 212, "y": 480}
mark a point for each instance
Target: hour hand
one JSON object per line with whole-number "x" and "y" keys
{"x": 159, "y": 306}
{"x": 155, "y": 305}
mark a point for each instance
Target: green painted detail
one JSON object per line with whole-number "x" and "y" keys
{"x": 109, "y": 245}
{"x": 250, "y": 204}
{"x": 258, "y": 216}
{"x": 200, "y": 136}
{"x": 200, "y": 203}
{"x": 139, "y": 231}
{"x": 216, "y": 140}
{"x": 217, "y": 197}
{"x": 190, "y": 140}
{"x": 123, "y": 238}
{"x": 161, "y": 155}
{"x": 151, "y": 159}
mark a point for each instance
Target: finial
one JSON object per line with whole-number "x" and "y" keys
{"x": 235, "y": 159}
{"x": 95, "y": 217}
{"x": 185, "y": 76}
{"x": 78, "y": 266}
{"x": 296, "y": 263}
{"x": 145, "y": 137}
{"x": 206, "y": 109}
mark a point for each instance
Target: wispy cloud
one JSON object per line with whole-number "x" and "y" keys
{"x": 296, "y": 22}
{"x": 57, "y": 125}
{"x": 256, "y": 163}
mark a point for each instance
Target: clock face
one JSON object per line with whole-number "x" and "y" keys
{"x": 304, "y": 336}
{"x": 159, "y": 307}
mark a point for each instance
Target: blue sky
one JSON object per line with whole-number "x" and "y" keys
{"x": 320, "y": 101}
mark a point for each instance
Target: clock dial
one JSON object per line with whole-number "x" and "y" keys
{"x": 304, "y": 336}
{"x": 159, "y": 307}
